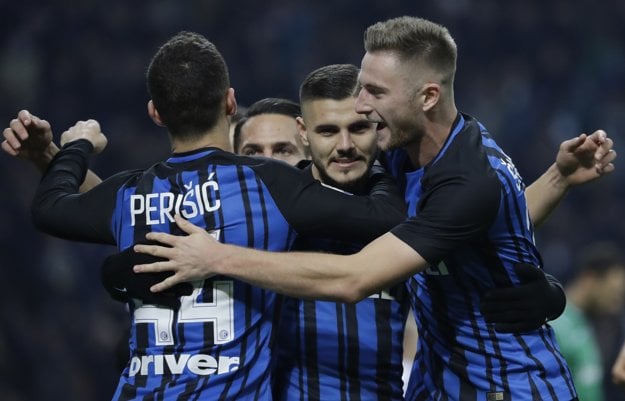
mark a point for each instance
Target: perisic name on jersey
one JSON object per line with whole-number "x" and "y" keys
{"x": 199, "y": 199}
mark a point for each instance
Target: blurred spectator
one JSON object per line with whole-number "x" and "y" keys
{"x": 590, "y": 330}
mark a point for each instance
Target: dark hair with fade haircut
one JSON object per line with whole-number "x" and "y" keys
{"x": 274, "y": 105}
{"x": 270, "y": 105}
{"x": 187, "y": 80}
{"x": 335, "y": 81}
{"x": 417, "y": 39}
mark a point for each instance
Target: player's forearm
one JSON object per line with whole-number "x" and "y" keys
{"x": 298, "y": 274}
{"x": 544, "y": 195}
{"x": 44, "y": 158}
{"x": 91, "y": 180}
{"x": 51, "y": 212}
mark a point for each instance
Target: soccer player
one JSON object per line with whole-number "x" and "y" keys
{"x": 329, "y": 350}
{"x": 216, "y": 344}
{"x": 469, "y": 231}
{"x": 333, "y": 350}
{"x": 269, "y": 129}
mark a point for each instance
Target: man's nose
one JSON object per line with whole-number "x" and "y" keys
{"x": 362, "y": 104}
{"x": 345, "y": 142}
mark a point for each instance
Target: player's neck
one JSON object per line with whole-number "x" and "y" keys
{"x": 214, "y": 138}
{"x": 431, "y": 140}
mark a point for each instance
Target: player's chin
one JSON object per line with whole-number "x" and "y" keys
{"x": 348, "y": 177}
{"x": 340, "y": 171}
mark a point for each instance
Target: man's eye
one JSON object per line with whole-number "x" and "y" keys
{"x": 250, "y": 152}
{"x": 285, "y": 151}
{"x": 360, "y": 128}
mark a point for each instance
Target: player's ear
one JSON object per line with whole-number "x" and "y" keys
{"x": 231, "y": 102}
{"x": 153, "y": 113}
{"x": 431, "y": 94}
{"x": 301, "y": 128}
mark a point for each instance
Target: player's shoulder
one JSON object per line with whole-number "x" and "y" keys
{"x": 271, "y": 169}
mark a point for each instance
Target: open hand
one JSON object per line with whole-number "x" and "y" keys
{"x": 188, "y": 256}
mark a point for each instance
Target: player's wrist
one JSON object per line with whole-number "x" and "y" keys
{"x": 559, "y": 179}
{"x": 41, "y": 160}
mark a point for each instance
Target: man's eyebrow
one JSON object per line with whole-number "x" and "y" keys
{"x": 364, "y": 123}
{"x": 326, "y": 128}
{"x": 253, "y": 146}
{"x": 282, "y": 143}
{"x": 374, "y": 88}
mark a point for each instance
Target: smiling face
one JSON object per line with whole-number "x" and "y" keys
{"x": 272, "y": 135}
{"x": 342, "y": 143}
{"x": 390, "y": 95}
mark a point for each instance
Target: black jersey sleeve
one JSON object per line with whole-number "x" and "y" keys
{"x": 457, "y": 206}
{"x": 59, "y": 210}
{"x": 317, "y": 210}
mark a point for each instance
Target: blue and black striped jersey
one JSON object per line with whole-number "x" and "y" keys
{"x": 218, "y": 344}
{"x": 469, "y": 220}
{"x": 339, "y": 351}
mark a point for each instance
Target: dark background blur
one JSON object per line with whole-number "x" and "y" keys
{"x": 534, "y": 72}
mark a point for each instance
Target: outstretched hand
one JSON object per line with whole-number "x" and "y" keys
{"x": 585, "y": 158}
{"x": 28, "y": 137}
{"x": 123, "y": 284}
{"x": 188, "y": 256}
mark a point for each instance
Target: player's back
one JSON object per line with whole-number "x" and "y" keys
{"x": 217, "y": 345}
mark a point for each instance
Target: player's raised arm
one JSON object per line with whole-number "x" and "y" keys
{"x": 29, "y": 137}
{"x": 579, "y": 160}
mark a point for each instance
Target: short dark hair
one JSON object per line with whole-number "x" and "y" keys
{"x": 274, "y": 105}
{"x": 335, "y": 81}
{"x": 270, "y": 105}
{"x": 187, "y": 80}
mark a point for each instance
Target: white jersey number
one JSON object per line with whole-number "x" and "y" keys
{"x": 219, "y": 311}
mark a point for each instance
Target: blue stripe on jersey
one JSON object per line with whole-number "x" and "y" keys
{"x": 218, "y": 345}
{"x": 338, "y": 351}
{"x": 460, "y": 357}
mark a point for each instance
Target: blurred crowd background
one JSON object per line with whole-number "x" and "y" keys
{"x": 535, "y": 72}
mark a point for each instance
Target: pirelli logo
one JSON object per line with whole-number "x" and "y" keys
{"x": 497, "y": 396}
